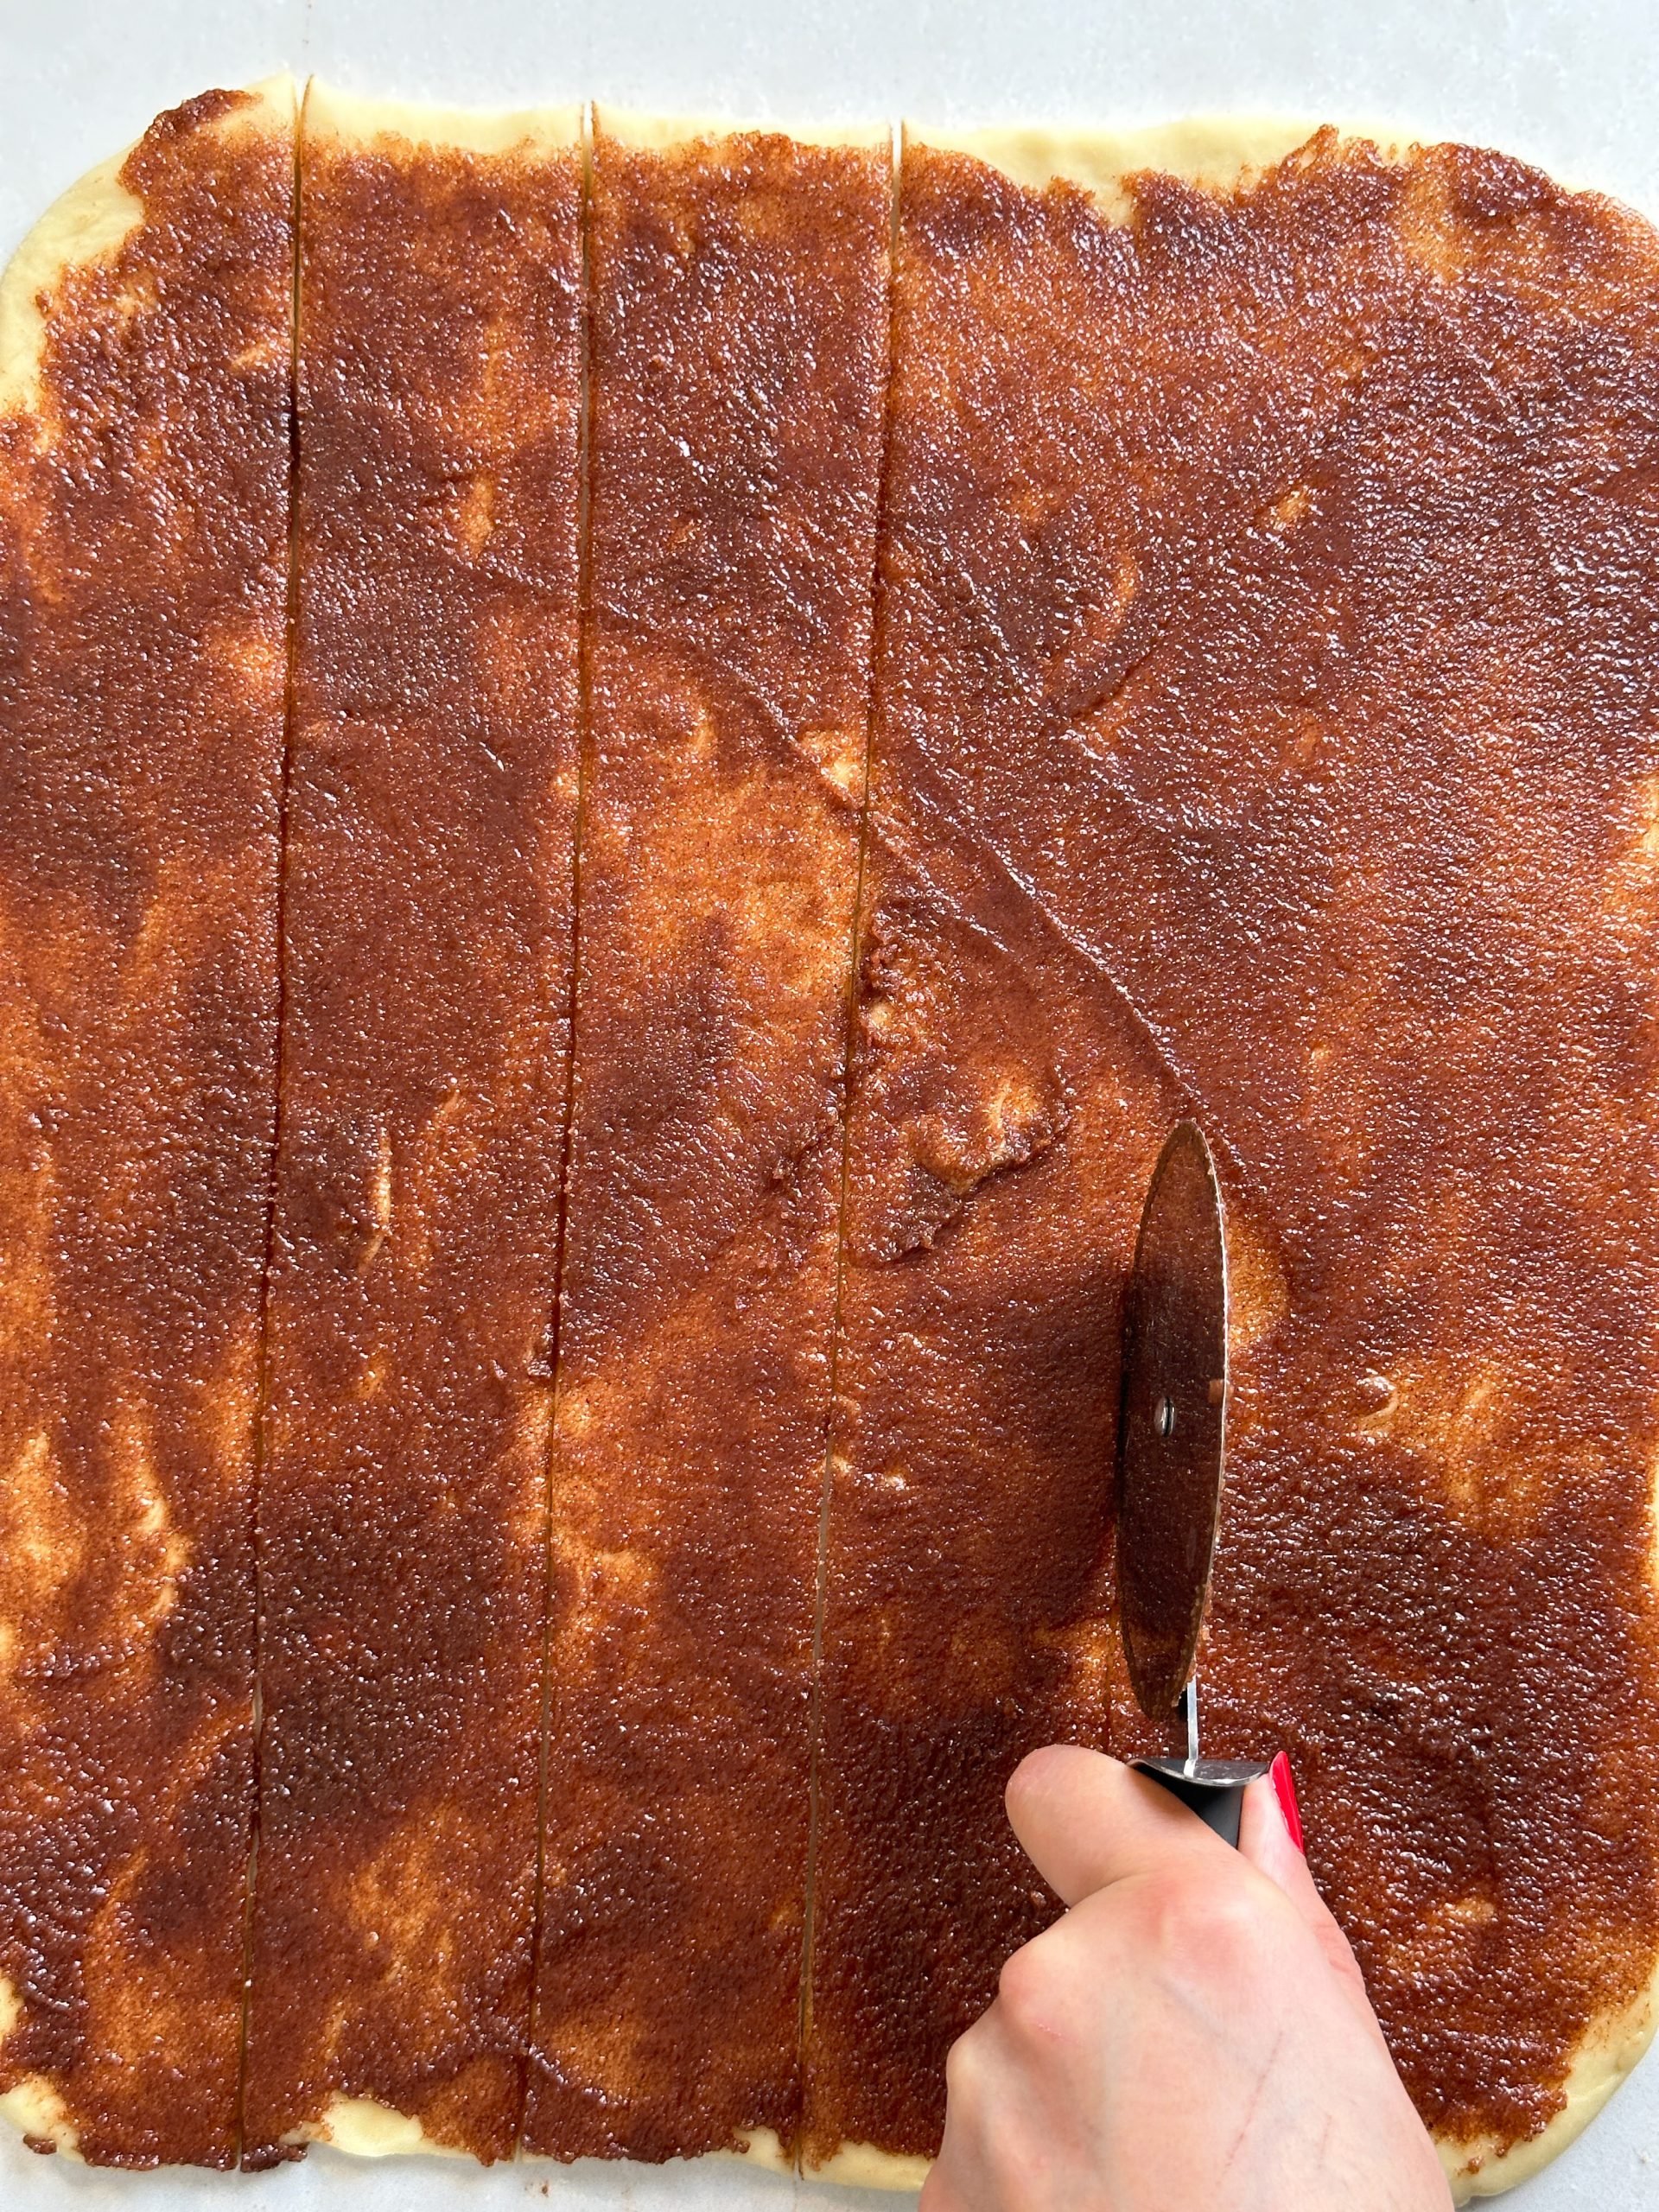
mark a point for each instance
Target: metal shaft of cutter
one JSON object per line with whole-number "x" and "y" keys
{"x": 1188, "y": 1712}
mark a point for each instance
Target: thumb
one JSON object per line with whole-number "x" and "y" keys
{"x": 1270, "y": 1837}
{"x": 1086, "y": 1821}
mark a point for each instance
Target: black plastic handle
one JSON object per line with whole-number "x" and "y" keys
{"x": 1213, "y": 1788}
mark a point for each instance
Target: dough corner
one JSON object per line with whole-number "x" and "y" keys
{"x": 1605, "y": 2059}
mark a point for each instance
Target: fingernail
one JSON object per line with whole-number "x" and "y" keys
{"x": 1284, "y": 1788}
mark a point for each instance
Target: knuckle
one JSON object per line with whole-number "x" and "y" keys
{"x": 1213, "y": 1917}
{"x": 1024, "y": 1987}
{"x": 963, "y": 2063}
{"x": 1035, "y": 1986}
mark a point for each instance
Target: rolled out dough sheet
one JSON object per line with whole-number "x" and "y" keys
{"x": 89, "y": 222}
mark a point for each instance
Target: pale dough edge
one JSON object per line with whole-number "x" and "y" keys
{"x": 1605, "y": 2059}
{"x": 88, "y": 223}
{"x": 328, "y": 113}
{"x": 644, "y": 133}
{"x": 860, "y": 2166}
{"x": 1216, "y": 151}
{"x": 362, "y": 2127}
{"x": 33, "y": 2107}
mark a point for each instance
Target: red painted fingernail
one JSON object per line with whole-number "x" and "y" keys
{"x": 1284, "y": 1788}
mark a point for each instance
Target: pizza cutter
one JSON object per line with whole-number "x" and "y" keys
{"x": 1170, "y": 1440}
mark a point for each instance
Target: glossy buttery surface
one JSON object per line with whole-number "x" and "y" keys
{"x": 809, "y": 743}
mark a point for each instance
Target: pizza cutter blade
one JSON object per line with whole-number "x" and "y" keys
{"x": 1171, "y": 1451}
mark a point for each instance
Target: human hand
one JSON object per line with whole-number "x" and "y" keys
{"x": 1192, "y": 2036}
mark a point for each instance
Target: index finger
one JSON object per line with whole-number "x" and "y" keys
{"x": 1086, "y": 1820}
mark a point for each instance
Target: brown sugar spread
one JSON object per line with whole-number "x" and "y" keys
{"x": 1203, "y": 663}
{"x": 142, "y": 530}
{"x": 1004, "y": 1123}
{"x": 427, "y": 918}
{"x": 738, "y": 374}
{"x": 1279, "y": 635}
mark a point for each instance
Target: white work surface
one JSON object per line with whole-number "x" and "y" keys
{"x": 1571, "y": 84}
